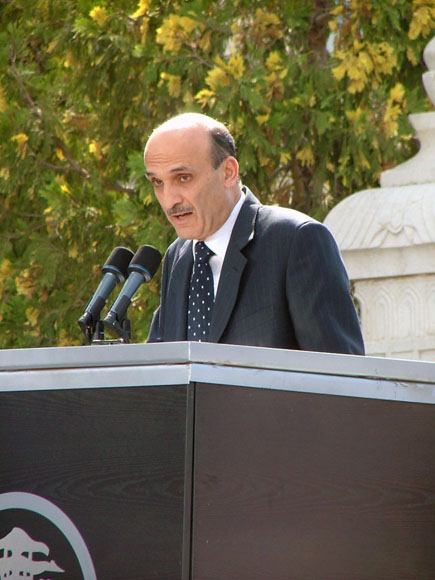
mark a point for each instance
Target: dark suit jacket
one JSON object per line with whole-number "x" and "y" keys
{"x": 283, "y": 284}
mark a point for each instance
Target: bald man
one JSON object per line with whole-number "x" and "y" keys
{"x": 277, "y": 275}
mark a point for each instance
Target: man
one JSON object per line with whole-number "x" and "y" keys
{"x": 278, "y": 278}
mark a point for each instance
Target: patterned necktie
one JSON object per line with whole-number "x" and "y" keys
{"x": 201, "y": 295}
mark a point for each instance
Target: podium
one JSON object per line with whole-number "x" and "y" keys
{"x": 205, "y": 461}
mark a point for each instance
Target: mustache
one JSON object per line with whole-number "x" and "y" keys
{"x": 177, "y": 209}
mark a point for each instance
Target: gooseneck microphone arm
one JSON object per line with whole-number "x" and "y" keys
{"x": 115, "y": 270}
{"x": 142, "y": 268}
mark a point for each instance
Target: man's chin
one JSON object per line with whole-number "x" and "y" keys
{"x": 185, "y": 233}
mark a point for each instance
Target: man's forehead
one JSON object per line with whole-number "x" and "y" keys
{"x": 177, "y": 148}
{"x": 178, "y": 133}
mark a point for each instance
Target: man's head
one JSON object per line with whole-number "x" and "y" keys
{"x": 190, "y": 160}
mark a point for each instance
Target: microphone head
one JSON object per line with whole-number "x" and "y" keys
{"x": 146, "y": 261}
{"x": 117, "y": 263}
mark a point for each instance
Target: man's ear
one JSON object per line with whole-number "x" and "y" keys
{"x": 231, "y": 171}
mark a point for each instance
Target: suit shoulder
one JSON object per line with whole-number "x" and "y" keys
{"x": 175, "y": 248}
{"x": 274, "y": 215}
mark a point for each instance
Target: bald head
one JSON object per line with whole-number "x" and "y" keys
{"x": 221, "y": 141}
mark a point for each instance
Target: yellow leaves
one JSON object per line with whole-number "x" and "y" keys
{"x": 99, "y": 15}
{"x": 262, "y": 119}
{"x": 266, "y": 18}
{"x": 365, "y": 62}
{"x": 412, "y": 57}
{"x": 62, "y": 183}
{"x": 337, "y": 10}
{"x": 392, "y": 112}
{"x": 339, "y": 71}
{"x": 284, "y": 157}
{"x": 354, "y": 116}
{"x": 142, "y": 7}
{"x": 365, "y": 65}
{"x": 73, "y": 251}
{"x": 275, "y": 86}
{"x": 174, "y": 83}
{"x": 219, "y": 75}
{"x": 423, "y": 18}
{"x": 306, "y": 156}
{"x": 277, "y": 73}
{"x": 384, "y": 58}
{"x": 204, "y": 97}
{"x": 217, "y": 78}
{"x": 59, "y": 154}
{"x": 333, "y": 25}
{"x": 32, "y": 315}
{"x": 3, "y": 101}
{"x": 25, "y": 283}
{"x": 274, "y": 64}
{"x": 236, "y": 66}
{"x": 273, "y": 61}
{"x": 175, "y": 31}
{"x": 5, "y": 173}
{"x": 394, "y": 109}
{"x": 6, "y": 270}
{"x": 397, "y": 93}
{"x": 68, "y": 62}
{"x": 363, "y": 160}
{"x": 99, "y": 150}
{"x": 205, "y": 42}
{"x": 21, "y": 141}
{"x": 266, "y": 25}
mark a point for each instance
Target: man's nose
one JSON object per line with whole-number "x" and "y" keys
{"x": 171, "y": 197}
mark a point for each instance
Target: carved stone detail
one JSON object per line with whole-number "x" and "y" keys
{"x": 387, "y": 239}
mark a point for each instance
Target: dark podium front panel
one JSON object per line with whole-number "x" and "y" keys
{"x": 191, "y": 461}
{"x": 300, "y": 486}
{"x": 114, "y": 460}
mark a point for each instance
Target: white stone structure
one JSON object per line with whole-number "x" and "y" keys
{"x": 387, "y": 239}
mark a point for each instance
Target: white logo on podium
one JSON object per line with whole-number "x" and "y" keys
{"x": 17, "y": 561}
{"x": 17, "y": 547}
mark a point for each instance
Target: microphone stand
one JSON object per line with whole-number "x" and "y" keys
{"x": 94, "y": 334}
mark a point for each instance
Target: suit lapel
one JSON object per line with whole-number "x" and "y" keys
{"x": 233, "y": 266}
{"x": 177, "y": 295}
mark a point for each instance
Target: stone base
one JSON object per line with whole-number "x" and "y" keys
{"x": 398, "y": 316}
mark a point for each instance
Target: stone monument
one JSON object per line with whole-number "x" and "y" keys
{"x": 387, "y": 239}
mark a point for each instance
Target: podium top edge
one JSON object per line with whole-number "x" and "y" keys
{"x": 190, "y": 353}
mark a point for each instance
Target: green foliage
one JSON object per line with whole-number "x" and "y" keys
{"x": 316, "y": 92}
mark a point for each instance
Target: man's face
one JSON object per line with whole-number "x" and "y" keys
{"x": 196, "y": 198}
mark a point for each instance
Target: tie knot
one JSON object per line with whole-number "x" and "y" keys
{"x": 202, "y": 252}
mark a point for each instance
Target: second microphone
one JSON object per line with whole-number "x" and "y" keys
{"x": 142, "y": 268}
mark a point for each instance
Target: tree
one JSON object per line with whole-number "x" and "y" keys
{"x": 316, "y": 93}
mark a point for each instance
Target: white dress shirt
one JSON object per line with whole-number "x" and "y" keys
{"x": 218, "y": 242}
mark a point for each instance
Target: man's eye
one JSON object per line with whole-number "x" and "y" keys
{"x": 184, "y": 178}
{"x": 157, "y": 182}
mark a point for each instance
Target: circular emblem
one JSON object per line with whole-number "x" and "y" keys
{"x": 39, "y": 541}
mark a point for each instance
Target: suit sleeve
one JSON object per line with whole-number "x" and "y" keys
{"x": 156, "y": 331}
{"x": 318, "y": 293}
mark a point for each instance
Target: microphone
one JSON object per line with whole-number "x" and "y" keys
{"x": 115, "y": 270}
{"x": 141, "y": 269}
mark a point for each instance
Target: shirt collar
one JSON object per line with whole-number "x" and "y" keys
{"x": 218, "y": 242}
